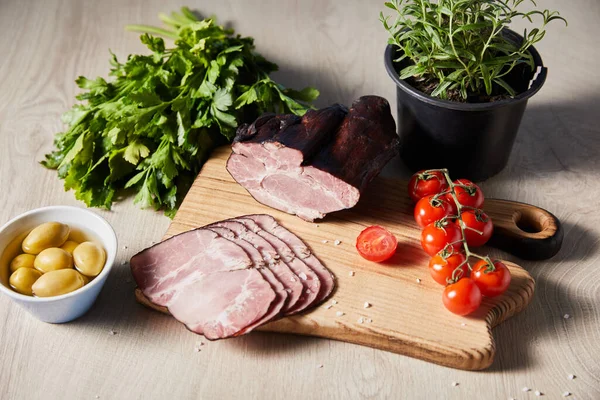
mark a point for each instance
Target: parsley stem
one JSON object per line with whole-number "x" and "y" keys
{"x": 151, "y": 29}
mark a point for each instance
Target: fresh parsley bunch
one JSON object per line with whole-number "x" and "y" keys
{"x": 152, "y": 126}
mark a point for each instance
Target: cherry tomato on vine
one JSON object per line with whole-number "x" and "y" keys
{"x": 425, "y": 183}
{"x": 376, "y": 244}
{"x": 491, "y": 282}
{"x": 450, "y": 200}
{"x": 475, "y": 221}
{"x": 462, "y": 297}
{"x": 437, "y": 235}
{"x": 471, "y": 196}
{"x": 430, "y": 209}
{"x": 443, "y": 264}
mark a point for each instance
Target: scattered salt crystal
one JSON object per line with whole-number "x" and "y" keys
{"x": 418, "y": 280}
{"x": 367, "y": 304}
{"x": 97, "y": 396}
{"x": 337, "y": 242}
{"x": 361, "y": 320}
{"x": 463, "y": 324}
{"x": 351, "y": 273}
{"x": 328, "y": 306}
{"x": 566, "y": 316}
{"x": 112, "y": 333}
{"x": 333, "y": 301}
{"x": 369, "y": 320}
{"x": 124, "y": 263}
{"x": 571, "y": 376}
{"x": 320, "y": 366}
{"x": 197, "y": 349}
{"x": 538, "y": 393}
{"x": 566, "y": 394}
{"x": 124, "y": 247}
{"x": 339, "y": 314}
{"x": 302, "y": 276}
{"x": 325, "y": 241}
{"x": 293, "y": 279}
{"x": 454, "y": 383}
{"x": 526, "y": 389}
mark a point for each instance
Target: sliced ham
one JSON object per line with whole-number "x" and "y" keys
{"x": 205, "y": 281}
{"x": 280, "y": 269}
{"x": 316, "y": 164}
{"x": 309, "y": 279}
{"x": 231, "y": 277}
{"x": 300, "y": 249}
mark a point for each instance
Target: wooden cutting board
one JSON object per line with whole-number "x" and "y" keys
{"x": 406, "y": 315}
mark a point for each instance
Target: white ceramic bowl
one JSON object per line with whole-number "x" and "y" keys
{"x": 67, "y": 307}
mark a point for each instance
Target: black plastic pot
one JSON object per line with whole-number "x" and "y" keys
{"x": 472, "y": 140}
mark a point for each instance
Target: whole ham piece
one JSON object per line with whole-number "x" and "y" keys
{"x": 316, "y": 164}
{"x": 232, "y": 276}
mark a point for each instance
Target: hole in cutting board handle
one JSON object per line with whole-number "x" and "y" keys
{"x": 531, "y": 221}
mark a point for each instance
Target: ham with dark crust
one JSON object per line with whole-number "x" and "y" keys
{"x": 316, "y": 164}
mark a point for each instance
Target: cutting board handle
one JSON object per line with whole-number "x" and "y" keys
{"x": 526, "y": 231}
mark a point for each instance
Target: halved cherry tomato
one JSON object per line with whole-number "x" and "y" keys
{"x": 462, "y": 297}
{"x": 438, "y": 234}
{"x": 475, "y": 221}
{"x": 443, "y": 264}
{"x": 470, "y": 196}
{"x": 430, "y": 209}
{"x": 491, "y": 282}
{"x": 376, "y": 244}
{"x": 425, "y": 183}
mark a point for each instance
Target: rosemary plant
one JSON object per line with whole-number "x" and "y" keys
{"x": 458, "y": 48}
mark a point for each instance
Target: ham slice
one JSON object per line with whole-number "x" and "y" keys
{"x": 280, "y": 269}
{"x": 300, "y": 249}
{"x": 259, "y": 263}
{"x": 205, "y": 281}
{"x": 310, "y": 281}
{"x": 316, "y": 164}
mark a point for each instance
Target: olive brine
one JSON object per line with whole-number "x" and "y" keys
{"x": 52, "y": 263}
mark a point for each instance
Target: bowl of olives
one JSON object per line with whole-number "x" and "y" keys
{"x": 55, "y": 260}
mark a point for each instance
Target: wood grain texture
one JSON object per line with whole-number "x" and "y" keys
{"x": 337, "y": 47}
{"x": 406, "y": 314}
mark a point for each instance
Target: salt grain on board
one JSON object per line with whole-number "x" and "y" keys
{"x": 112, "y": 333}
{"x": 325, "y": 241}
{"x": 333, "y": 301}
{"x": 454, "y": 383}
{"x": 328, "y": 306}
{"x": 351, "y": 273}
{"x": 337, "y": 242}
{"x": 320, "y": 366}
{"x": 367, "y": 304}
{"x": 566, "y": 316}
{"x": 361, "y": 320}
{"x": 339, "y": 313}
{"x": 418, "y": 280}
{"x": 566, "y": 394}
{"x": 538, "y": 393}
{"x": 571, "y": 376}
{"x": 526, "y": 389}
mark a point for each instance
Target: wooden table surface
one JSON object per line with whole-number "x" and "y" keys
{"x": 336, "y": 46}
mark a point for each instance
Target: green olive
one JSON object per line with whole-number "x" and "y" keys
{"x": 22, "y": 261}
{"x": 23, "y": 279}
{"x": 44, "y": 236}
{"x": 89, "y": 258}
{"x": 52, "y": 259}
{"x": 55, "y": 283}
{"x": 69, "y": 246}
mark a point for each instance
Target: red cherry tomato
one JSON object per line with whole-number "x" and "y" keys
{"x": 437, "y": 235}
{"x": 450, "y": 200}
{"x": 425, "y": 183}
{"x": 475, "y": 221}
{"x": 443, "y": 264}
{"x": 491, "y": 282}
{"x": 376, "y": 244}
{"x": 429, "y": 209}
{"x": 462, "y": 297}
{"x": 470, "y": 196}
